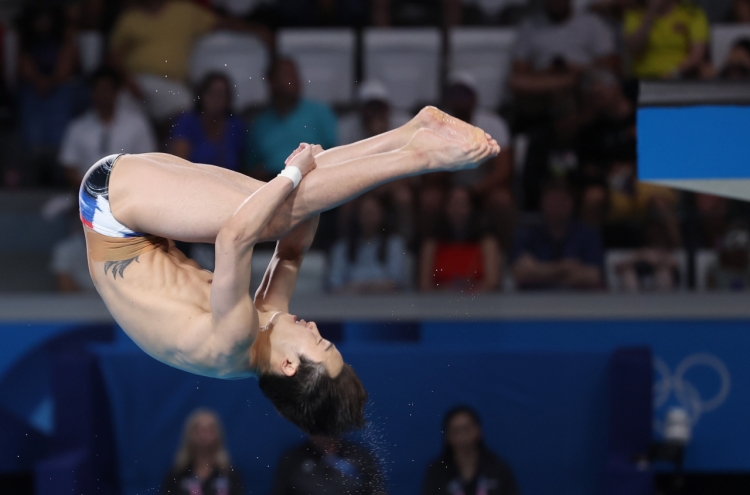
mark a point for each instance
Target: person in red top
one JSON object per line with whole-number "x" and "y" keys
{"x": 461, "y": 256}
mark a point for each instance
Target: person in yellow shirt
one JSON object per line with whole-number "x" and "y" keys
{"x": 666, "y": 39}
{"x": 151, "y": 45}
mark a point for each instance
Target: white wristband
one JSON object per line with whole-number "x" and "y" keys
{"x": 292, "y": 173}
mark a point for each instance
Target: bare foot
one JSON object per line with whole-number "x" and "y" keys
{"x": 442, "y": 153}
{"x": 453, "y": 128}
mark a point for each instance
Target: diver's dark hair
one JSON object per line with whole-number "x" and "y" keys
{"x": 314, "y": 401}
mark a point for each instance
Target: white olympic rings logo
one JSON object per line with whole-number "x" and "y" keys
{"x": 684, "y": 391}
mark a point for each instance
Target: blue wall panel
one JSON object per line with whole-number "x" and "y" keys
{"x": 700, "y": 142}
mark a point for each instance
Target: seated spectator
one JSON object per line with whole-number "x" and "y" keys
{"x": 552, "y": 152}
{"x": 492, "y": 180}
{"x": 732, "y": 270}
{"x": 368, "y": 260}
{"x": 707, "y": 222}
{"x": 202, "y": 464}
{"x": 740, "y": 12}
{"x": 327, "y": 466}
{"x": 654, "y": 267}
{"x": 374, "y": 114}
{"x": 461, "y": 101}
{"x": 290, "y": 120}
{"x": 666, "y": 39}
{"x": 467, "y": 466}
{"x": 151, "y": 45}
{"x": 554, "y": 49}
{"x": 607, "y": 136}
{"x": 737, "y": 65}
{"x": 210, "y": 134}
{"x": 106, "y": 129}
{"x": 47, "y": 64}
{"x": 561, "y": 253}
{"x": 460, "y": 256}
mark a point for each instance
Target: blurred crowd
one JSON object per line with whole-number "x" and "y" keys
{"x": 559, "y": 208}
{"x": 333, "y": 466}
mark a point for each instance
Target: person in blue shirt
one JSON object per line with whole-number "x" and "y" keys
{"x": 211, "y": 134}
{"x": 560, "y": 253}
{"x": 290, "y": 120}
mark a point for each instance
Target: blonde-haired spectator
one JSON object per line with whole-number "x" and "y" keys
{"x": 202, "y": 464}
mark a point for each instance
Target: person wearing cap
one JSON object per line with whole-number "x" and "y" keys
{"x": 490, "y": 183}
{"x": 374, "y": 114}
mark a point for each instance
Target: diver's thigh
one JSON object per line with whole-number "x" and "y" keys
{"x": 165, "y": 196}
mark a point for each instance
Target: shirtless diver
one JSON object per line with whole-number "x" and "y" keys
{"x": 132, "y": 206}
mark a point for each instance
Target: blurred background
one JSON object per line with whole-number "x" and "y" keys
{"x": 546, "y": 323}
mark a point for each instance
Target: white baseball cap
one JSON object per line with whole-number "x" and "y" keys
{"x": 373, "y": 90}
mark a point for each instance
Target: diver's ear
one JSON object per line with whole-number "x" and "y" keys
{"x": 289, "y": 366}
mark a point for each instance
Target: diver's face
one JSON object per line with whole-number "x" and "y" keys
{"x": 292, "y": 337}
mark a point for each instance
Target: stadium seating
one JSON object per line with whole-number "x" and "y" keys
{"x": 486, "y": 54}
{"x": 407, "y": 61}
{"x": 325, "y": 58}
{"x": 243, "y": 57}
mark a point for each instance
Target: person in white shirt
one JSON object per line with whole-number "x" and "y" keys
{"x": 554, "y": 50}
{"x": 106, "y": 129}
{"x": 374, "y": 114}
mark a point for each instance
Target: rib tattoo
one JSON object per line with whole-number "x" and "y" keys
{"x": 118, "y": 267}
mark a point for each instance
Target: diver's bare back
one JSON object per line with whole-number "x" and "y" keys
{"x": 160, "y": 299}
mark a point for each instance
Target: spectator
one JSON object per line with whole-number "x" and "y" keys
{"x": 151, "y": 45}
{"x": 492, "y": 180}
{"x": 554, "y": 49}
{"x": 607, "y": 136}
{"x": 740, "y": 12}
{"x": 467, "y": 466}
{"x": 552, "y": 152}
{"x": 328, "y": 466}
{"x": 368, "y": 260}
{"x": 374, "y": 114}
{"x": 290, "y": 120}
{"x": 666, "y": 39}
{"x": 732, "y": 270}
{"x": 210, "y": 134}
{"x": 461, "y": 102}
{"x": 561, "y": 252}
{"x": 202, "y": 464}
{"x": 48, "y": 61}
{"x": 461, "y": 255}
{"x": 104, "y": 130}
{"x": 629, "y": 204}
{"x": 706, "y": 227}
{"x": 654, "y": 268}
{"x": 737, "y": 65}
